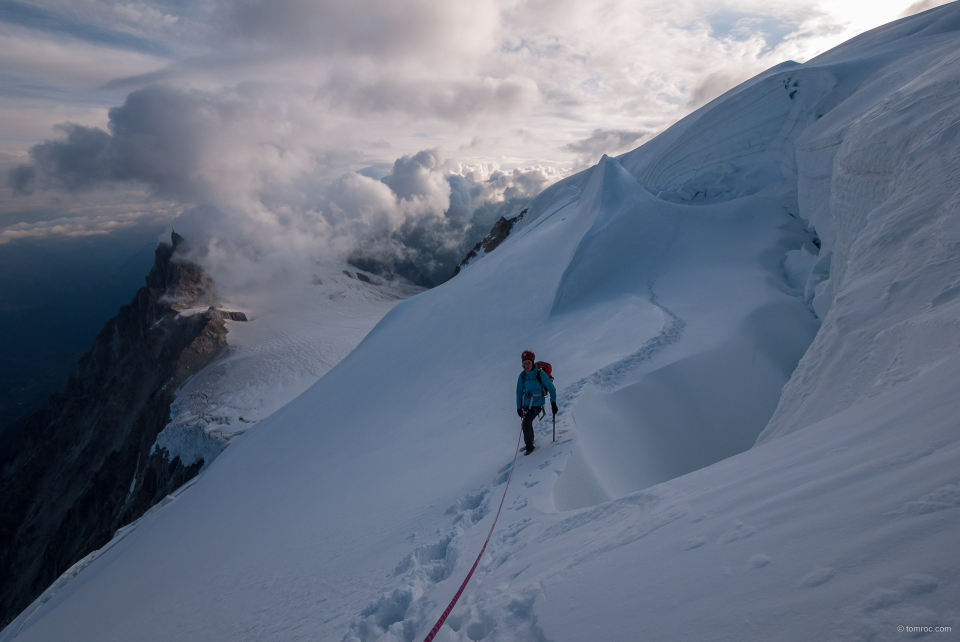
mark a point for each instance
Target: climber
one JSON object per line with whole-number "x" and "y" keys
{"x": 532, "y": 387}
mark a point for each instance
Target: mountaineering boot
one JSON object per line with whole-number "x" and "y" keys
{"x": 528, "y": 450}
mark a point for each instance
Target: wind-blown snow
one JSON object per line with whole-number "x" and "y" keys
{"x": 675, "y": 289}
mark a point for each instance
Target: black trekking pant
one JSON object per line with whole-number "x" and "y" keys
{"x": 529, "y": 414}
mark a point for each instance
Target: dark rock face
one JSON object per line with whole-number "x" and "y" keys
{"x": 80, "y": 467}
{"x": 389, "y": 269}
{"x": 233, "y": 316}
{"x": 499, "y": 233}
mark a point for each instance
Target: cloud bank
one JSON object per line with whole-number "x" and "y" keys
{"x": 391, "y": 133}
{"x": 257, "y": 187}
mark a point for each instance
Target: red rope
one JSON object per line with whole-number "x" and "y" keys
{"x": 453, "y": 602}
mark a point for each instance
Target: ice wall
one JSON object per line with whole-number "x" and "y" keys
{"x": 880, "y": 181}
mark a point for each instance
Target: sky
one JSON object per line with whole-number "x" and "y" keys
{"x": 276, "y": 133}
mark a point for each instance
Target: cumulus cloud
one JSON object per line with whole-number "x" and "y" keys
{"x": 220, "y": 147}
{"x": 433, "y": 211}
{"x": 159, "y": 136}
{"x": 257, "y": 190}
{"x": 415, "y": 179}
{"x": 79, "y": 160}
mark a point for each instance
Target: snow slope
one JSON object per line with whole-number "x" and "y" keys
{"x": 675, "y": 289}
{"x": 295, "y": 333}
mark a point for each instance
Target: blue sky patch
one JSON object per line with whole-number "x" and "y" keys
{"x": 740, "y": 26}
{"x": 31, "y": 17}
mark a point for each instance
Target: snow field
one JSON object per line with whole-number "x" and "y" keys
{"x": 295, "y": 333}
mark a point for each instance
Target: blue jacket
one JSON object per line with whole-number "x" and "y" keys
{"x": 530, "y": 387}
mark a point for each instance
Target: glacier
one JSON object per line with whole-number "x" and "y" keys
{"x": 754, "y": 321}
{"x": 296, "y": 332}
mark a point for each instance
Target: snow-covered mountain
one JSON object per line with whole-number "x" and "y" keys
{"x": 754, "y": 321}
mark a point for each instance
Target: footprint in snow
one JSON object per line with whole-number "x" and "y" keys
{"x": 509, "y": 533}
{"x": 695, "y": 542}
{"x": 878, "y": 614}
{"x": 818, "y": 576}
{"x": 433, "y": 561}
{"x": 470, "y": 509}
{"x": 942, "y": 498}
{"x": 467, "y": 502}
{"x": 758, "y": 561}
{"x": 907, "y": 587}
{"x": 738, "y": 530}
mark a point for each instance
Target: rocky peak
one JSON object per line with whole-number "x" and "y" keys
{"x": 498, "y": 234}
{"x": 177, "y": 283}
{"x": 83, "y": 465}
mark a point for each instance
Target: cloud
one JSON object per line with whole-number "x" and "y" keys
{"x": 34, "y": 17}
{"x": 93, "y": 213}
{"x": 455, "y": 100}
{"x": 37, "y": 59}
{"x": 186, "y": 144}
{"x": 416, "y": 179}
{"x": 377, "y": 29}
{"x": 420, "y": 219}
{"x": 603, "y": 141}
{"x": 23, "y": 178}
{"x": 80, "y": 160}
{"x": 70, "y": 227}
{"x": 716, "y": 83}
{"x": 252, "y": 186}
{"x": 287, "y": 130}
{"x": 922, "y": 5}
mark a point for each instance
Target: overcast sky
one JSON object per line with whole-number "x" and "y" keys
{"x": 266, "y": 126}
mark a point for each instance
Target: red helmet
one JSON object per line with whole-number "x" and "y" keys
{"x": 528, "y": 356}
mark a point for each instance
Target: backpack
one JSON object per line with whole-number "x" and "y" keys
{"x": 547, "y": 368}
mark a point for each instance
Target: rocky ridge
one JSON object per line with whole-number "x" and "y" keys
{"x": 81, "y": 466}
{"x": 498, "y": 234}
